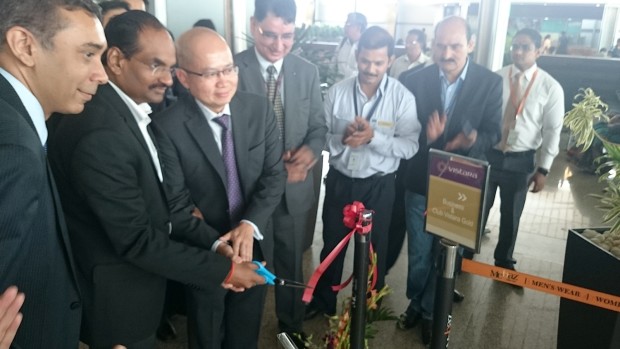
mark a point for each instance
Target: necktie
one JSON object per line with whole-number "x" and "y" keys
{"x": 233, "y": 187}
{"x": 510, "y": 114}
{"x": 275, "y": 98}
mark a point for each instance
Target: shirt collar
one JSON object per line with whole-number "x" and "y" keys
{"x": 210, "y": 114}
{"x": 381, "y": 88}
{"x": 139, "y": 111}
{"x": 461, "y": 77}
{"x": 31, "y": 103}
{"x": 528, "y": 73}
{"x": 264, "y": 64}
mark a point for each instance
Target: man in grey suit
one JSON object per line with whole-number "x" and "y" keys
{"x": 231, "y": 160}
{"x": 292, "y": 85}
{"x": 49, "y": 62}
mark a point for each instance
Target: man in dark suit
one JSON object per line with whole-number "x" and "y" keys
{"x": 127, "y": 239}
{"x": 49, "y": 62}
{"x": 460, "y": 108}
{"x": 227, "y": 143}
{"x": 297, "y": 103}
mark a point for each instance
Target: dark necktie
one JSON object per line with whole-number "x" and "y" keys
{"x": 233, "y": 187}
{"x": 275, "y": 97}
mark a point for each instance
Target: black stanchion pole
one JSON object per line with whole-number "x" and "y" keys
{"x": 442, "y": 313}
{"x": 360, "y": 284}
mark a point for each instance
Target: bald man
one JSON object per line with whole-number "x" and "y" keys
{"x": 230, "y": 153}
{"x": 137, "y": 4}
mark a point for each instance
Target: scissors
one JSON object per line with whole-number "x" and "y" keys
{"x": 271, "y": 279}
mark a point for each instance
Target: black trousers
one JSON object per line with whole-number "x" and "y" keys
{"x": 376, "y": 193}
{"x": 289, "y": 234}
{"x": 398, "y": 225}
{"x": 147, "y": 343}
{"x": 510, "y": 172}
{"x": 218, "y": 318}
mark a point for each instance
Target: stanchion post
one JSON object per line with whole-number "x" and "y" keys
{"x": 360, "y": 284}
{"x": 442, "y": 313}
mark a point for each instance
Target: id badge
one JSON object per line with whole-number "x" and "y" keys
{"x": 354, "y": 162}
{"x": 512, "y": 137}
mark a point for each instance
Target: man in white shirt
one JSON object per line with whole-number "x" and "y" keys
{"x": 372, "y": 124}
{"x": 533, "y": 105}
{"x": 414, "y": 56}
{"x": 346, "y": 63}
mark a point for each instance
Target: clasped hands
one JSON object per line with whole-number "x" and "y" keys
{"x": 358, "y": 133}
{"x": 436, "y": 126}
{"x": 298, "y": 162}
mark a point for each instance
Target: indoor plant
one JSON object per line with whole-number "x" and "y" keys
{"x": 588, "y": 260}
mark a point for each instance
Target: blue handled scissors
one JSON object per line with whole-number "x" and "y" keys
{"x": 271, "y": 279}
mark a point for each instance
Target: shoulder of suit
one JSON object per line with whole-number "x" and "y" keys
{"x": 293, "y": 58}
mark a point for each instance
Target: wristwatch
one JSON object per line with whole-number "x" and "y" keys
{"x": 542, "y": 171}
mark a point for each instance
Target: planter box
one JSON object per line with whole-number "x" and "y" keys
{"x": 581, "y": 325}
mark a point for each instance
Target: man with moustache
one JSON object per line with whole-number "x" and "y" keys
{"x": 533, "y": 114}
{"x": 228, "y": 145}
{"x": 372, "y": 125}
{"x": 49, "y": 62}
{"x": 459, "y": 105}
{"x": 112, "y": 177}
{"x": 292, "y": 85}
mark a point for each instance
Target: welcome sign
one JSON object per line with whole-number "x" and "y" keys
{"x": 455, "y": 197}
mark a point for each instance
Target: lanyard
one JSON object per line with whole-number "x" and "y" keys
{"x": 374, "y": 106}
{"x": 513, "y": 94}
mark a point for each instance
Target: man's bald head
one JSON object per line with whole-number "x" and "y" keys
{"x": 197, "y": 42}
{"x": 206, "y": 67}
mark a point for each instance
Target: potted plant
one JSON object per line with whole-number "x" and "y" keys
{"x": 592, "y": 258}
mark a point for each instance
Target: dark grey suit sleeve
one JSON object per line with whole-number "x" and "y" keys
{"x": 270, "y": 186}
{"x": 317, "y": 128}
{"x": 489, "y": 132}
{"x": 19, "y": 185}
{"x": 103, "y": 171}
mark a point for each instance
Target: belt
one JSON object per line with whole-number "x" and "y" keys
{"x": 371, "y": 178}
{"x": 515, "y": 154}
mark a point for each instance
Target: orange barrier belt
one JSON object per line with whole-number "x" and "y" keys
{"x": 579, "y": 294}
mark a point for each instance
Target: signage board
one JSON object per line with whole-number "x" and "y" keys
{"x": 455, "y": 199}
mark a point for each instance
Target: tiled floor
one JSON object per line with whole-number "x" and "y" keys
{"x": 493, "y": 315}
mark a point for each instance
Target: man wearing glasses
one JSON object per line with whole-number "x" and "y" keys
{"x": 113, "y": 177}
{"x": 414, "y": 56}
{"x": 292, "y": 86}
{"x": 231, "y": 158}
{"x": 533, "y": 104}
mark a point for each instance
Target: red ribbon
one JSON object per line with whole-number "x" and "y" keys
{"x": 353, "y": 218}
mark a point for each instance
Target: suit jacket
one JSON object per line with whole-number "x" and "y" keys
{"x": 478, "y": 106}
{"x": 304, "y": 116}
{"x": 35, "y": 253}
{"x": 119, "y": 222}
{"x": 258, "y": 153}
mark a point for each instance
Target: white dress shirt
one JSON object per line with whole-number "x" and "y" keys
{"x": 395, "y": 124}
{"x": 141, "y": 115}
{"x": 345, "y": 60}
{"x": 402, "y": 64}
{"x": 264, "y": 64}
{"x": 539, "y": 125}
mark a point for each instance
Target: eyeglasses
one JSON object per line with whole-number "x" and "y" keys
{"x": 214, "y": 74}
{"x": 411, "y": 43}
{"x": 157, "y": 69}
{"x": 523, "y": 47}
{"x": 271, "y": 36}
